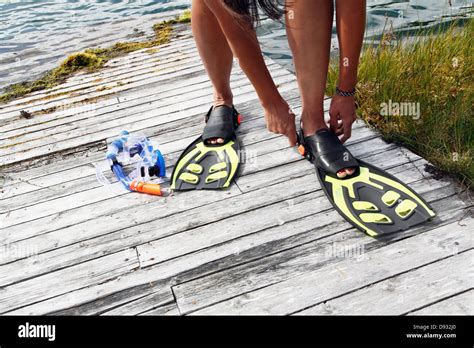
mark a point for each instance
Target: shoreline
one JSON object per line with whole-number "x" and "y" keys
{"x": 92, "y": 59}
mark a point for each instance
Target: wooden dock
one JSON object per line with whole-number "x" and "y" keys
{"x": 271, "y": 244}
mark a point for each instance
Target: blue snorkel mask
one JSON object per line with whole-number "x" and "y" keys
{"x": 137, "y": 150}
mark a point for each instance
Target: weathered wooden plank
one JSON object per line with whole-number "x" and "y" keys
{"x": 170, "y": 309}
{"x": 132, "y": 123}
{"x": 56, "y": 283}
{"x": 125, "y": 84}
{"x": 71, "y": 210}
{"x": 82, "y": 247}
{"x": 150, "y": 111}
{"x": 401, "y": 294}
{"x": 180, "y": 43}
{"x": 59, "y": 185}
{"x": 135, "y": 233}
{"x": 67, "y": 115}
{"x": 27, "y": 178}
{"x": 135, "y": 86}
{"x": 163, "y": 134}
{"x": 116, "y": 64}
{"x": 104, "y": 207}
{"x": 65, "y": 183}
{"x": 147, "y": 303}
{"x": 287, "y": 239}
{"x": 128, "y": 237}
{"x": 309, "y": 284}
{"x": 102, "y": 304}
{"x": 93, "y": 80}
{"x": 117, "y": 67}
{"x": 462, "y": 304}
{"x": 196, "y": 83}
{"x": 65, "y": 107}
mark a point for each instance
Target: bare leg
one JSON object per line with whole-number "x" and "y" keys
{"x": 309, "y": 26}
{"x": 219, "y": 33}
{"x": 214, "y": 51}
{"x": 209, "y": 40}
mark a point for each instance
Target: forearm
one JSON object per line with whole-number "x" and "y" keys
{"x": 244, "y": 44}
{"x": 350, "y": 23}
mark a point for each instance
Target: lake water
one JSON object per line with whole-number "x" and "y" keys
{"x": 37, "y": 35}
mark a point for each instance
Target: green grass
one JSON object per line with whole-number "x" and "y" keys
{"x": 434, "y": 70}
{"x": 93, "y": 59}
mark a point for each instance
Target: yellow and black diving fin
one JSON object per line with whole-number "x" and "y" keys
{"x": 371, "y": 199}
{"x": 210, "y": 166}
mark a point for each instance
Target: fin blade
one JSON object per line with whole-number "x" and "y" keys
{"x": 215, "y": 166}
{"x": 374, "y": 201}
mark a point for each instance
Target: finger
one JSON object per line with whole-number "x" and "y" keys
{"x": 333, "y": 120}
{"x": 291, "y": 134}
{"x": 272, "y": 129}
{"x": 292, "y": 138}
{"x": 277, "y": 130}
{"x": 340, "y": 131}
{"x": 347, "y": 132}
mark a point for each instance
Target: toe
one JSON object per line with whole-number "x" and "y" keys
{"x": 220, "y": 141}
{"x": 341, "y": 174}
{"x": 350, "y": 171}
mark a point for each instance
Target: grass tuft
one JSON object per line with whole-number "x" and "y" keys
{"x": 434, "y": 70}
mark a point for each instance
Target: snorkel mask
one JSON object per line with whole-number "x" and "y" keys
{"x": 135, "y": 151}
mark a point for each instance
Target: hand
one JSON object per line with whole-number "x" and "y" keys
{"x": 342, "y": 116}
{"x": 281, "y": 120}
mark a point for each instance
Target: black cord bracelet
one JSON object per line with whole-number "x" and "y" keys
{"x": 345, "y": 93}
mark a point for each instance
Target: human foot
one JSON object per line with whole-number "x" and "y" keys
{"x": 312, "y": 126}
{"x": 221, "y": 123}
{"x": 325, "y": 150}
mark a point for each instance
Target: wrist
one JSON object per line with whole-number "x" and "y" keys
{"x": 345, "y": 93}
